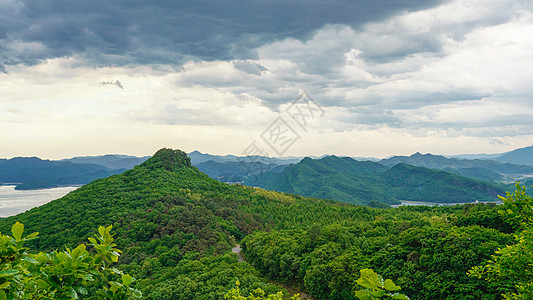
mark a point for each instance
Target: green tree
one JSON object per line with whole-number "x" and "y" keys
{"x": 66, "y": 274}
{"x": 258, "y": 294}
{"x": 514, "y": 262}
{"x": 376, "y": 288}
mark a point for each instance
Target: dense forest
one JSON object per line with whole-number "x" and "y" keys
{"x": 176, "y": 226}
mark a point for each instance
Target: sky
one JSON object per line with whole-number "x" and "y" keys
{"x": 279, "y": 78}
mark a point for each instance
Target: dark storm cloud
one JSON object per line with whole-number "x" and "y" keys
{"x": 171, "y": 32}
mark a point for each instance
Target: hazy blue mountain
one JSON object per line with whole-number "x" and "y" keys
{"x": 35, "y": 173}
{"x": 523, "y": 156}
{"x": 360, "y": 182}
{"x": 475, "y": 156}
{"x": 474, "y": 168}
{"x": 24, "y": 169}
{"x": 110, "y": 161}
{"x": 66, "y": 180}
{"x": 198, "y": 157}
{"x": 236, "y": 171}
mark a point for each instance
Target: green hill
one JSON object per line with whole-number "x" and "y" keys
{"x": 337, "y": 178}
{"x": 412, "y": 183}
{"x": 360, "y": 182}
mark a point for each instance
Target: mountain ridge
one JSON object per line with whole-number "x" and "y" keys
{"x": 360, "y": 182}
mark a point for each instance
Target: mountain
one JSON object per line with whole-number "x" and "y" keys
{"x": 331, "y": 177}
{"x": 476, "y": 156}
{"x": 35, "y": 173}
{"x": 360, "y": 182}
{"x": 231, "y": 168}
{"x": 198, "y": 157}
{"x": 522, "y": 156}
{"x": 232, "y": 171}
{"x": 66, "y": 180}
{"x": 412, "y": 183}
{"x": 24, "y": 169}
{"x": 474, "y": 168}
{"x": 176, "y": 226}
{"x": 110, "y": 161}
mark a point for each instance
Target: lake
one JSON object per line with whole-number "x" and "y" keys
{"x": 13, "y": 202}
{"x": 417, "y": 203}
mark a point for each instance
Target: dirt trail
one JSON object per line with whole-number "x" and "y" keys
{"x": 237, "y": 250}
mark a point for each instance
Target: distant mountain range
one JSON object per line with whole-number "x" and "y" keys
{"x": 488, "y": 170}
{"x": 38, "y": 173}
{"x": 360, "y": 182}
{"x": 110, "y": 161}
{"x": 522, "y": 156}
{"x": 35, "y": 173}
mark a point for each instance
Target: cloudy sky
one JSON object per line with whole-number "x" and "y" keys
{"x": 386, "y": 77}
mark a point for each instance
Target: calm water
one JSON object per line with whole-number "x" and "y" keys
{"x": 13, "y": 202}
{"x": 416, "y": 203}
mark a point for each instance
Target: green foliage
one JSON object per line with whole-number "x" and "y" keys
{"x": 258, "y": 294}
{"x": 513, "y": 263}
{"x": 68, "y": 274}
{"x": 376, "y": 288}
{"x": 518, "y": 208}
{"x": 423, "y": 251}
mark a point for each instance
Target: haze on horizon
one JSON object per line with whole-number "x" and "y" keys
{"x": 391, "y": 77}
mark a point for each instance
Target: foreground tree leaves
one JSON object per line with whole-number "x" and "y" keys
{"x": 258, "y": 294}
{"x": 376, "y": 287}
{"x": 67, "y": 274}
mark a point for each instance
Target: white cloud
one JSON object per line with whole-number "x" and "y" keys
{"x": 450, "y": 79}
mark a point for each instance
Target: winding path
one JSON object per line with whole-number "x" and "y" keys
{"x": 237, "y": 249}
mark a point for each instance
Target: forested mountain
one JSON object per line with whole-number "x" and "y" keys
{"x": 176, "y": 226}
{"x": 360, "y": 182}
{"x": 422, "y": 184}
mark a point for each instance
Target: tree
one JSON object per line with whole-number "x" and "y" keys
{"x": 376, "y": 287}
{"x": 258, "y": 294}
{"x": 63, "y": 274}
{"x": 514, "y": 262}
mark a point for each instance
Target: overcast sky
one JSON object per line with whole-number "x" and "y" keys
{"x": 387, "y": 77}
